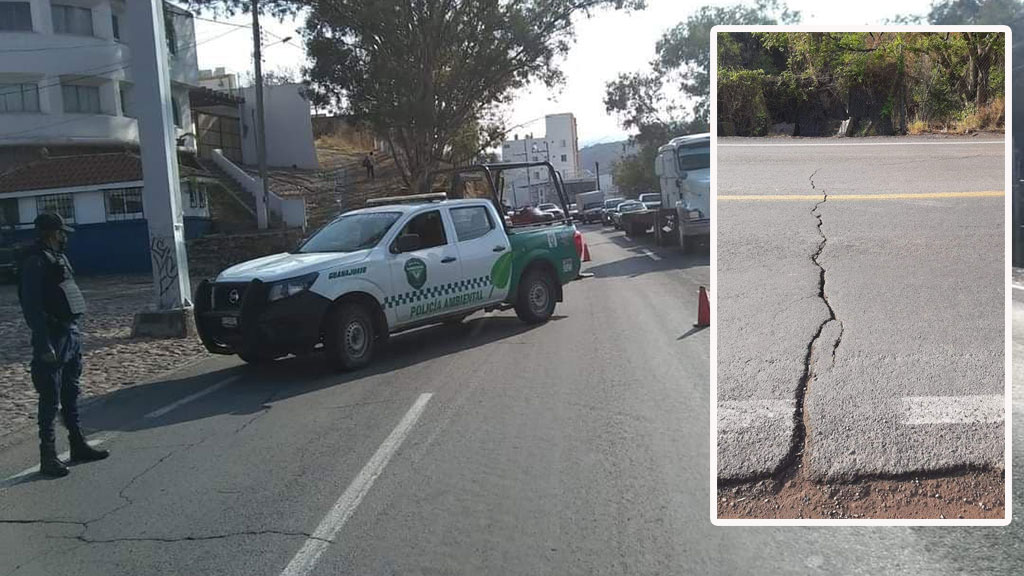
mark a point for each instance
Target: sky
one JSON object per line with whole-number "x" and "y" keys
{"x": 607, "y": 44}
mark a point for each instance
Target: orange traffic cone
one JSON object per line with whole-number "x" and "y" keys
{"x": 703, "y": 309}
{"x": 586, "y": 252}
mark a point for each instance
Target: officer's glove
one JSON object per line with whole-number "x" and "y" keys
{"x": 49, "y": 356}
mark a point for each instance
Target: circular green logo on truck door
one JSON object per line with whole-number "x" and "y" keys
{"x": 416, "y": 272}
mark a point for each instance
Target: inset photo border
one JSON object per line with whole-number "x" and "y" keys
{"x": 860, "y": 303}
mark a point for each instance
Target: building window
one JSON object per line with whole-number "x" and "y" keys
{"x": 127, "y": 100}
{"x": 563, "y": 158}
{"x": 170, "y": 33}
{"x": 19, "y": 98}
{"x": 175, "y": 112}
{"x": 197, "y": 195}
{"x": 9, "y": 213}
{"x": 62, "y": 204}
{"x": 72, "y": 20}
{"x": 81, "y": 99}
{"x": 536, "y": 175}
{"x": 115, "y": 23}
{"x": 15, "y": 17}
{"x": 124, "y": 204}
{"x": 563, "y": 143}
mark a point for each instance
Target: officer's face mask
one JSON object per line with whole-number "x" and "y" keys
{"x": 58, "y": 240}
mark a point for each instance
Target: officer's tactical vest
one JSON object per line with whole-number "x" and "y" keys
{"x": 61, "y": 297}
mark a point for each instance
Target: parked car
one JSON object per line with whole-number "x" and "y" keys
{"x": 401, "y": 263}
{"x": 627, "y": 206}
{"x": 552, "y": 209}
{"x": 651, "y": 200}
{"x": 609, "y": 207}
{"x": 574, "y": 213}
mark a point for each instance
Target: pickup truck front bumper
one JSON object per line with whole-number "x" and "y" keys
{"x": 237, "y": 316}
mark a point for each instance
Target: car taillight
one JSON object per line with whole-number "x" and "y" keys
{"x": 577, "y": 238}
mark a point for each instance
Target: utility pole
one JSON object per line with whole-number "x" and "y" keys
{"x": 262, "y": 212}
{"x": 161, "y": 193}
{"x": 529, "y": 188}
{"x": 597, "y": 174}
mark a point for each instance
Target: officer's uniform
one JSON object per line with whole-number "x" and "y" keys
{"x": 52, "y": 305}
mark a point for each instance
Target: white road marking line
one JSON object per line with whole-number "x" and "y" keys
{"x": 174, "y": 405}
{"x": 304, "y": 561}
{"x": 20, "y": 476}
{"x": 831, "y": 143}
{"x": 651, "y": 255}
{"x": 737, "y": 415}
{"x": 1018, "y": 287}
{"x": 980, "y": 409}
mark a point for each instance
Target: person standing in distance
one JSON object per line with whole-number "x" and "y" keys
{"x": 368, "y": 164}
{"x": 52, "y": 305}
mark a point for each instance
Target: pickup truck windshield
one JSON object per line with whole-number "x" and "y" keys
{"x": 351, "y": 233}
{"x": 610, "y": 204}
{"x": 630, "y": 207}
{"x": 650, "y": 198}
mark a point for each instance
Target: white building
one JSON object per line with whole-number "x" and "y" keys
{"x": 559, "y": 145}
{"x": 66, "y": 75}
{"x": 68, "y": 133}
{"x": 220, "y": 80}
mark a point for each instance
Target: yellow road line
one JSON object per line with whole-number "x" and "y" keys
{"x": 837, "y": 197}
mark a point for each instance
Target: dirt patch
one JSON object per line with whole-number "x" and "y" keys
{"x": 965, "y": 495}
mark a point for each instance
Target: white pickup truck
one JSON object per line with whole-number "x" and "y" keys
{"x": 405, "y": 263}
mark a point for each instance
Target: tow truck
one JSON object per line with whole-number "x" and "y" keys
{"x": 400, "y": 263}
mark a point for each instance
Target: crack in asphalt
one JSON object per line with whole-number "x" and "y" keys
{"x": 174, "y": 539}
{"x": 794, "y": 459}
{"x": 127, "y": 502}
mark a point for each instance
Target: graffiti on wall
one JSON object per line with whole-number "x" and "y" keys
{"x": 165, "y": 264}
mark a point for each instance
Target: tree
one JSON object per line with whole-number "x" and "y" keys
{"x": 278, "y": 77}
{"x": 681, "y": 65}
{"x": 683, "y": 61}
{"x": 420, "y": 72}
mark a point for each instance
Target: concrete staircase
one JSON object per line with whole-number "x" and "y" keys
{"x": 232, "y": 209}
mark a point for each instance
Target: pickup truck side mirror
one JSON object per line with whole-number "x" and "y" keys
{"x": 407, "y": 243}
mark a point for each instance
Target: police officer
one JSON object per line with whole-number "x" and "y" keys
{"x": 52, "y": 305}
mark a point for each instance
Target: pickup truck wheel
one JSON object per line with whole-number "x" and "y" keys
{"x": 536, "y": 300}
{"x": 349, "y": 338}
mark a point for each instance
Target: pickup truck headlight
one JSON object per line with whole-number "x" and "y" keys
{"x": 291, "y": 286}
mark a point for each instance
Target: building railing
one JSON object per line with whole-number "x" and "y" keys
{"x": 291, "y": 210}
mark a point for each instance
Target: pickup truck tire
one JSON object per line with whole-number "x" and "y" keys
{"x": 349, "y": 337}
{"x": 536, "y": 299}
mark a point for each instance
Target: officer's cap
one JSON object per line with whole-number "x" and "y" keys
{"x": 50, "y": 222}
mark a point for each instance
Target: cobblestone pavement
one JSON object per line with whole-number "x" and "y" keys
{"x": 112, "y": 358}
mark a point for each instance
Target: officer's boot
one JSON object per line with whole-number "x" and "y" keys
{"x": 80, "y": 449}
{"x": 49, "y": 464}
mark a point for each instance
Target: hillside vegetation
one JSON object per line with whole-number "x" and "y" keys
{"x": 818, "y": 84}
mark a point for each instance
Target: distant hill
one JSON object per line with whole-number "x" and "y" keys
{"x": 607, "y": 153}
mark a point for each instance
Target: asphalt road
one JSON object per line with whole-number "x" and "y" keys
{"x": 888, "y": 256}
{"x": 577, "y": 447}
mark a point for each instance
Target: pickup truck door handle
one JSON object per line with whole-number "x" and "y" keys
{"x": 448, "y": 259}
{"x": 498, "y": 249}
